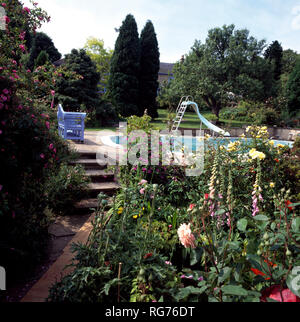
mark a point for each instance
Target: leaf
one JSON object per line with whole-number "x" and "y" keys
{"x": 242, "y": 224}
{"x": 220, "y": 212}
{"x": 261, "y": 218}
{"x": 234, "y": 290}
{"x": 196, "y": 255}
{"x": 296, "y": 224}
{"x": 255, "y": 261}
{"x": 224, "y": 274}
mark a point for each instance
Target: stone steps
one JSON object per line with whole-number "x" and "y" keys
{"x": 100, "y": 175}
{"x": 109, "y": 188}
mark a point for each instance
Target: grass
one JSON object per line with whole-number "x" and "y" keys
{"x": 191, "y": 120}
{"x": 114, "y": 129}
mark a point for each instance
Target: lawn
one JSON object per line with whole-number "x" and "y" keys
{"x": 192, "y": 121}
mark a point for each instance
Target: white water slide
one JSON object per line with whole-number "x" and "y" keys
{"x": 183, "y": 105}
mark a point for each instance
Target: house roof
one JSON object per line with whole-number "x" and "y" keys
{"x": 166, "y": 69}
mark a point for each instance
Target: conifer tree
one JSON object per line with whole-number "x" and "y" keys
{"x": 150, "y": 65}
{"x": 42, "y": 59}
{"x": 274, "y": 54}
{"x": 125, "y": 67}
{"x": 42, "y": 42}
{"x": 79, "y": 94}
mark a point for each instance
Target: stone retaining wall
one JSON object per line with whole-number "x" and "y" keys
{"x": 275, "y": 133}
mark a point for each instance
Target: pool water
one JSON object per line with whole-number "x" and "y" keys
{"x": 190, "y": 143}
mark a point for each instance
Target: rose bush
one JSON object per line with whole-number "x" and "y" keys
{"x": 31, "y": 151}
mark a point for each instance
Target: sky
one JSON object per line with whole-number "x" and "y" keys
{"x": 177, "y": 23}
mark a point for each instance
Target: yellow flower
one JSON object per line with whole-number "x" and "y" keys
{"x": 135, "y": 217}
{"x": 120, "y": 210}
{"x": 280, "y": 146}
{"x": 233, "y": 161}
{"x": 256, "y": 154}
{"x": 272, "y": 184}
{"x": 271, "y": 143}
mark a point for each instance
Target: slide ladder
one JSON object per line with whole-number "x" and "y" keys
{"x": 181, "y": 109}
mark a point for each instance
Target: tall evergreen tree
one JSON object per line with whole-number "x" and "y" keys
{"x": 123, "y": 83}
{"x": 79, "y": 93}
{"x": 42, "y": 59}
{"x": 150, "y": 65}
{"x": 293, "y": 91}
{"x": 274, "y": 54}
{"x": 42, "y": 42}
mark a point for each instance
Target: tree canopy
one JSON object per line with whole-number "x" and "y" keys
{"x": 293, "y": 91}
{"x": 42, "y": 42}
{"x": 274, "y": 55}
{"x": 101, "y": 57}
{"x": 149, "y": 68}
{"x": 228, "y": 62}
{"x": 125, "y": 69}
{"x": 80, "y": 92}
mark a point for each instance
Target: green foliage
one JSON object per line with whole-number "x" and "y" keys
{"x": 79, "y": 93}
{"x": 289, "y": 60}
{"x": 274, "y": 54}
{"x": 42, "y": 59}
{"x": 149, "y": 68}
{"x": 253, "y": 112}
{"x": 66, "y": 188}
{"x": 31, "y": 151}
{"x": 293, "y": 91}
{"x": 42, "y": 42}
{"x": 229, "y": 61}
{"x": 101, "y": 57}
{"x": 142, "y": 276}
{"x": 125, "y": 69}
{"x": 134, "y": 254}
{"x": 135, "y": 123}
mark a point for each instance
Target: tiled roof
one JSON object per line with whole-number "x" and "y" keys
{"x": 166, "y": 68}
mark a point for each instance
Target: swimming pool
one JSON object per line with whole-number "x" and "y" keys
{"x": 189, "y": 143}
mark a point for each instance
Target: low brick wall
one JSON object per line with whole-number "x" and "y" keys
{"x": 275, "y": 132}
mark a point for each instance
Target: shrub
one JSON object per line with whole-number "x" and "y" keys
{"x": 65, "y": 188}
{"x": 251, "y": 112}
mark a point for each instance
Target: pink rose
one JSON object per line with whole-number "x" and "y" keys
{"x": 142, "y": 191}
{"x": 143, "y": 182}
{"x": 51, "y": 146}
{"x": 22, "y": 47}
{"x": 47, "y": 125}
{"x": 26, "y": 9}
{"x": 42, "y": 155}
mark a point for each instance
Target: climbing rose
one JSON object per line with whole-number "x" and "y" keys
{"x": 186, "y": 237}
